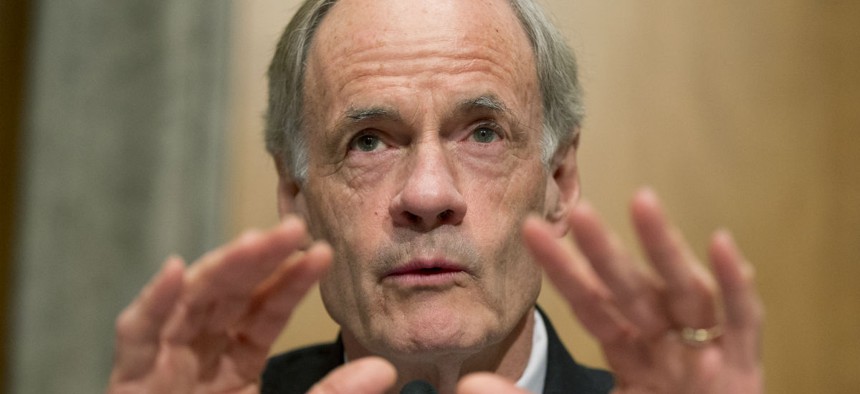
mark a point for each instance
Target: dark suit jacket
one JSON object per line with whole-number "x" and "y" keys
{"x": 296, "y": 372}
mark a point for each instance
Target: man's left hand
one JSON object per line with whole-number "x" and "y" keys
{"x": 679, "y": 330}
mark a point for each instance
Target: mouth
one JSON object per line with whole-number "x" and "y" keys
{"x": 426, "y": 273}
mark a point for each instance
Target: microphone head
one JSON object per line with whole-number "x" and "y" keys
{"x": 418, "y": 387}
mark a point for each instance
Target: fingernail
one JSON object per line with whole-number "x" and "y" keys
{"x": 648, "y": 192}
{"x": 725, "y": 236}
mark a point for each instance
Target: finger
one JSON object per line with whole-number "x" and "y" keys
{"x": 690, "y": 288}
{"x": 636, "y": 294}
{"x": 275, "y": 301}
{"x": 139, "y": 326}
{"x": 220, "y": 285}
{"x": 487, "y": 383}
{"x": 369, "y": 375}
{"x": 586, "y": 294}
{"x": 242, "y": 264}
{"x": 743, "y": 308}
{"x": 272, "y": 306}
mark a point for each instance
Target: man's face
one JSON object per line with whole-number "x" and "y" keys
{"x": 424, "y": 127}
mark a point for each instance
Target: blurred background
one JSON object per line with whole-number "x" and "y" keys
{"x": 133, "y": 129}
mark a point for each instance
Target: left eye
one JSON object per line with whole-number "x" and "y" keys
{"x": 484, "y": 135}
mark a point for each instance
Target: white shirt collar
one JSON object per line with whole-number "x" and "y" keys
{"x": 534, "y": 375}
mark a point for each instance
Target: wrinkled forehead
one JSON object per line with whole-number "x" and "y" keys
{"x": 363, "y": 38}
{"x": 360, "y": 23}
{"x": 355, "y": 27}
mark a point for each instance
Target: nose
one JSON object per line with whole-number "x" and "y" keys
{"x": 429, "y": 197}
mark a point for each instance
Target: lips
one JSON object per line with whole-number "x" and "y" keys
{"x": 426, "y": 267}
{"x": 426, "y": 272}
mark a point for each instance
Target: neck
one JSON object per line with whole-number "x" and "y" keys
{"x": 507, "y": 358}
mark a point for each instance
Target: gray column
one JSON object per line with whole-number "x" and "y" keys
{"x": 123, "y": 165}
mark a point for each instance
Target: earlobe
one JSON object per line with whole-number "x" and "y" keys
{"x": 556, "y": 218}
{"x": 565, "y": 188}
{"x": 289, "y": 193}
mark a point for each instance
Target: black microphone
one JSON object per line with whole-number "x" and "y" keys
{"x": 418, "y": 387}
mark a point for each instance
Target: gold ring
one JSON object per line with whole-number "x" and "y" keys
{"x": 699, "y": 337}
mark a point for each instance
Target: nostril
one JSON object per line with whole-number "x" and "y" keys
{"x": 413, "y": 218}
{"x": 444, "y": 215}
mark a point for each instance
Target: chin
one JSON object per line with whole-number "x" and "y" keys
{"x": 440, "y": 331}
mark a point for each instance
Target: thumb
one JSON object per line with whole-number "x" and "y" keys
{"x": 487, "y": 383}
{"x": 369, "y": 375}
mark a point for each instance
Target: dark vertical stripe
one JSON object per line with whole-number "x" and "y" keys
{"x": 13, "y": 45}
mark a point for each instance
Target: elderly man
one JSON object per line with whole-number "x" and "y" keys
{"x": 427, "y": 159}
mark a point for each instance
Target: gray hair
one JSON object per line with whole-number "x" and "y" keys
{"x": 556, "y": 72}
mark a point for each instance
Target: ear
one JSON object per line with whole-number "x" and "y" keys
{"x": 563, "y": 188}
{"x": 290, "y": 197}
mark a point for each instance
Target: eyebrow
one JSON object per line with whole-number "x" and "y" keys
{"x": 483, "y": 102}
{"x": 371, "y": 113}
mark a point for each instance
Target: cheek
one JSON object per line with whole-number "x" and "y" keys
{"x": 499, "y": 204}
{"x": 504, "y": 195}
{"x": 349, "y": 223}
{"x": 352, "y": 220}
{"x": 343, "y": 206}
{"x": 339, "y": 215}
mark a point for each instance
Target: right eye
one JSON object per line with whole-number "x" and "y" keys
{"x": 367, "y": 143}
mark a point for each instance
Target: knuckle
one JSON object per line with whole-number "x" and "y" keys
{"x": 705, "y": 286}
{"x": 699, "y": 284}
{"x": 597, "y": 296}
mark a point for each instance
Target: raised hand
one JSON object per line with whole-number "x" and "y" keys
{"x": 680, "y": 330}
{"x": 208, "y": 328}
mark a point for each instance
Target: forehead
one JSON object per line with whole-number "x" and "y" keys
{"x": 361, "y": 23}
{"x": 438, "y": 41}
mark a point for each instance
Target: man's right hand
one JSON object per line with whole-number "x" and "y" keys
{"x": 208, "y": 328}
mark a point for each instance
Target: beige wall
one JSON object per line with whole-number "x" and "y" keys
{"x": 740, "y": 114}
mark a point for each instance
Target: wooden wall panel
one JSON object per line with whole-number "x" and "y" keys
{"x": 740, "y": 114}
{"x": 13, "y": 44}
